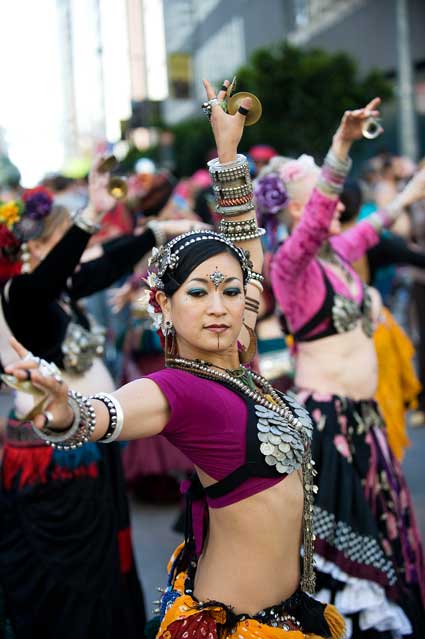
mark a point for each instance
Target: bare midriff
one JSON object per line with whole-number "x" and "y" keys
{"x": 342, "y": 364}
{"x": 251, "y": 557}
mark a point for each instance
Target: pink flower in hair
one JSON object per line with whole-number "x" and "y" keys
{"x": 297, "y": 169}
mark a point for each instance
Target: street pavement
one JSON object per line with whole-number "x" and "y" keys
{"x": 154, "y": 539}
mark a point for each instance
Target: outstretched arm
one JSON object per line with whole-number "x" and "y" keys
{"x": 145, "y": 408}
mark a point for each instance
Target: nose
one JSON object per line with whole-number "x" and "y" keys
{"x": 340, "y": 207}
{"x": 216, "y": 306}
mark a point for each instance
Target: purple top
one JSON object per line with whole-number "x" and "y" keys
{"x": 296, "y": 275}
{"x": 208, "y": 423}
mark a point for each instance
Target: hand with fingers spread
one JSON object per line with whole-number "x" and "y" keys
{"x": 227, "y": 128}
{"x": 100, "y": 201}
{"x": 350, "y": 128}
{"x": 56, "y": 410}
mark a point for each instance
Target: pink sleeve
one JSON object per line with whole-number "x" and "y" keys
{"x": 354, "y": 243}
{"x": 297, "y": 252}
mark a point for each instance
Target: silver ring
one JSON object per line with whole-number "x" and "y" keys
{"x": 214, "y": 102}
{"x": 29, "y": 357}
{"x": 49, "y": 417}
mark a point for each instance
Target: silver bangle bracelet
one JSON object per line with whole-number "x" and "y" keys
{"x": 81, "y": 429}
{"x": 85, "y": 225}
{"x": 158, "y": 233}
{"x": 232, "y": 211}
{"x": 49, "y": 435}
{"x": 116, "y": 417}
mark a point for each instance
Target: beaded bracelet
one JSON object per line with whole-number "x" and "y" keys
{"x": 240, "y": 226}
{"x": 256, "y": 276}
{"x": 116, "y": 417}
{"x": 243, "y": 237}
{"x": 232, "y": 191}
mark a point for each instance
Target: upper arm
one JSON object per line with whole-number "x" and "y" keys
{"x": 146, "y": 410}
{"x": 356, "y": 241}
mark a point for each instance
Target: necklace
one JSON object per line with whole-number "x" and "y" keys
{"x": 242, "y": 373}
{"x": 278, "y": 406}
{"x": 204, "y": 369}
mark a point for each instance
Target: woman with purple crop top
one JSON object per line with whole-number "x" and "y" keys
{"x": 250, "y": 510}
{"x": 368, "y": 553}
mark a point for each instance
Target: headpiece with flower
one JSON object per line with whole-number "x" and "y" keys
{"x": 22, "y": 220}
{"x": 166, "y": 259}
{"x": 270, "y": 189}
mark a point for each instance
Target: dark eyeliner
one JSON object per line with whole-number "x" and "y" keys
{"x": 196, "y": 292}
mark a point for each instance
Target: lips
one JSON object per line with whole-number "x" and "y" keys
{"x": 217, "y": 328}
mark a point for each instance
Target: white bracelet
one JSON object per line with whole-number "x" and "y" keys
{"x": 257, "y": 284}
{"x": 116, "y": 417}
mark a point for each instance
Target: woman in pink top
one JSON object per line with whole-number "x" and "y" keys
{"x": 368, "y": 551}
{"x": 238, "y": 572}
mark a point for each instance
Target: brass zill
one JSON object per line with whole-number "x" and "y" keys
{"x": 235, "y": 101}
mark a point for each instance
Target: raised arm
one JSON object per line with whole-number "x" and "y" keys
{"x": 49, "y": 278}
{"x": 121, "y": 255}
{"x": 303, "y": 245}
{"x": 234, "y": 195}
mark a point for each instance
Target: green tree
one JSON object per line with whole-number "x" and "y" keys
{"x": 303, "y": 93}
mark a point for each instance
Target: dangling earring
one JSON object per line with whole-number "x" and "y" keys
{"x": 168, "y": 331}
{"x": 248, "y": 354}
{"x": 25, "y": 258}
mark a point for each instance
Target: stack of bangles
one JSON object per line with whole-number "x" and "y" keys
{"x": 83, "y": 424}
{"x": 234, "y": 196}
{"x": 334, "y": 172}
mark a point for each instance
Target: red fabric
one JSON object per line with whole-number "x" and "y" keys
{"x": 116, "y": 222}
{"x": 61, "y": 473}
{"x": 30, "y": 464}
{"x": 200, "y": 626}
{"x": 125, "y": 550}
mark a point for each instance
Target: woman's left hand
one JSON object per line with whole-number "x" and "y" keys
{"x": 227, "y": 128}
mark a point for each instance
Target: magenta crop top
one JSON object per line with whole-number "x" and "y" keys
{"x": 208, "y": 423}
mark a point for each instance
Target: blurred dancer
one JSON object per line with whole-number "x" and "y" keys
{"x": 66, "y": 559}
{"x": 368, "y": 551}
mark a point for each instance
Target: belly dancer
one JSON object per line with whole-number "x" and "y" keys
{"x": 238, "y": 570}
{"x": 368, "y": 551}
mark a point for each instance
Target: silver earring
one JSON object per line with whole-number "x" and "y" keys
{"x": 167, "y": 328}
{"x": 25, "y": 258}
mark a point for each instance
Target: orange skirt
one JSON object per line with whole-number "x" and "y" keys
{"x": 300, "y": 617}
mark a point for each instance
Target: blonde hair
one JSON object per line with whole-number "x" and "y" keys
{"x": 56, "y": 218}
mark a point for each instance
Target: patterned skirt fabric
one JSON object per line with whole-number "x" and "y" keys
{"x": 66, "y": 559}
{"x": 182, "y": 616}
{"x": 368, "y": 551}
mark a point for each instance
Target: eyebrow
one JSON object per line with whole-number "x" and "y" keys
{"x": 206, "y": 281}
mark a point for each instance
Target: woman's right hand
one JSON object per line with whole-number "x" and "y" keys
{"x": 56, "y": 391}
{"x": 227, "y": 128}
{"x": 100, "y": 201}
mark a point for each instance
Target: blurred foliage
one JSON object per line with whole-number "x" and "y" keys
{"x": 304, "y": 94}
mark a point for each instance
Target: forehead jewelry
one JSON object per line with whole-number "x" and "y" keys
{"x": 216, "y": 278}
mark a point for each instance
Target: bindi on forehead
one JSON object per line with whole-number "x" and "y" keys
{"x": 216, "y": 277}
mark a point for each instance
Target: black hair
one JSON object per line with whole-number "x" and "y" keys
{"x": 352, "y": 198}
{"x": 191, "y": 257}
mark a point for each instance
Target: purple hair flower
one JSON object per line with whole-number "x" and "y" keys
{"x": 38, "y": 203}
{"x": 270, "y": 194}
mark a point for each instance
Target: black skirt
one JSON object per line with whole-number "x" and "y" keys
{"x": 368, "y": 551}
{"x": 66, "y": 560}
